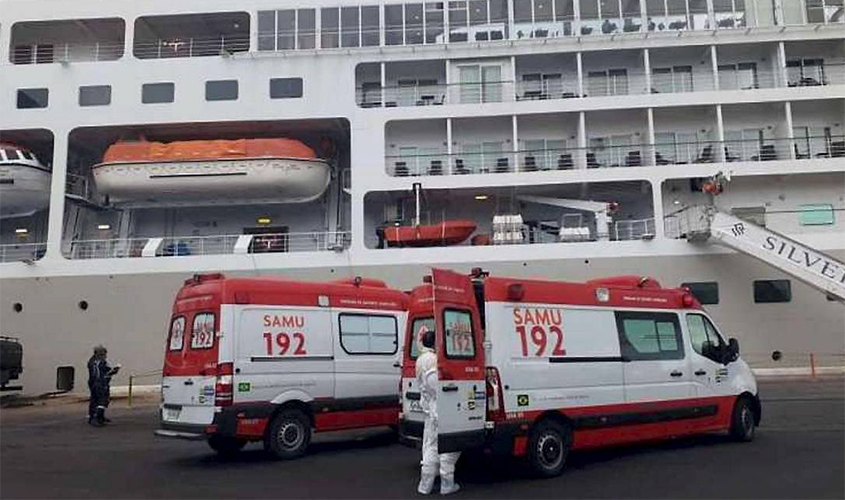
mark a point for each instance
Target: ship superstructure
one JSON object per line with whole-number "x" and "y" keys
{"x": 548, "y": 138}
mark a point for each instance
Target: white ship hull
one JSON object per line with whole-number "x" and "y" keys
{"x": 24, "y": 190}
{"x": 256, "y": 180}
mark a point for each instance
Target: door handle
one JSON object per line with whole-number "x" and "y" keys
{"x": 450, "y": 388}
{"x": 700, "y": 372}
{"x": 189, "y": 382}
{"x": 676, "y": 373}
{"x": 396, "y": 365}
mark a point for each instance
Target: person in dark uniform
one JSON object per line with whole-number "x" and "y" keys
{"x": 99, "y": 381}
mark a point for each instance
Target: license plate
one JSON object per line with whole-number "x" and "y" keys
{"x": 172, "y": 413}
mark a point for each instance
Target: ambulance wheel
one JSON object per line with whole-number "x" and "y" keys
{"x": 289, "y": 434}
{"x": 226, "y": 446}
{"x": 742, "y": 420}
{"x": 548, "y": 447}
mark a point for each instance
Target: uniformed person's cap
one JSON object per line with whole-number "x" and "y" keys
{"x": 100, "y": 349}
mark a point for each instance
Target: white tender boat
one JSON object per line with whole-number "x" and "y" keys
{"x": 24, "y": 182}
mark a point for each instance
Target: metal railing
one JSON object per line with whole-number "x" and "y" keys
{"x": 616, "y": 156}
{"x": 77, "y": 185}
{"x": 191, "y": 46}
{"x": 433, "y": 95}
{"x": 209, "y": 245}
{"x": 642, "y": 229}
{"x": 18, "y": 252}
{"x": 541, "y": 91}
{"x": 47, "y": 52}
{"x": 688, "y": 222}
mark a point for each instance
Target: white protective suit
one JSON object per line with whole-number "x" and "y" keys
{"x": 426, "y": 369}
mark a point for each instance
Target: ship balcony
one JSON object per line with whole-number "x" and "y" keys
{"x": 604, "y": 154}
{"x": 79, "y": 40}
{"x": 230, "y": 244}
{"x": 191, "y": 35}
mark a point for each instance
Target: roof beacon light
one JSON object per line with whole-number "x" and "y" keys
{"x": 602, "y": 294}
{"x": 687, "y": 300}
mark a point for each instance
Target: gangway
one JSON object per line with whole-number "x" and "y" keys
{"x": 706, "y": 223}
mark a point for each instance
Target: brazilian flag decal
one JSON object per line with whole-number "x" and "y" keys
{"x": 522, "y": 400}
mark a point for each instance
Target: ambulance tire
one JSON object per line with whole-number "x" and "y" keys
{"x": 289, "y": 434}
{"x": 226, "y": 446}
{"x": 548, "y": 447}
{"x": 743, "y": 420}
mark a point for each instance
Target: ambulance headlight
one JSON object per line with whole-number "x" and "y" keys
{"x": 602, "y": 294}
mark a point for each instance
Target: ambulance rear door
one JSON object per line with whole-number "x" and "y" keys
{"x": 461, "y": 399}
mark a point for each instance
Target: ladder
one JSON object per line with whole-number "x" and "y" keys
{"x": 706, "y": 223}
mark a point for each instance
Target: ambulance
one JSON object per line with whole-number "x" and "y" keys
{"x": 535, "y": 368}
{"x": 270, "y": 360}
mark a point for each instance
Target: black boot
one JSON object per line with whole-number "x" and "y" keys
{"x": 101, "y": 416}
{"x": 94, "y": 422}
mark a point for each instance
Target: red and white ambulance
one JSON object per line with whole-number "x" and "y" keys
{"x": 536, "y": 368}
{"x": 258, "y": 359}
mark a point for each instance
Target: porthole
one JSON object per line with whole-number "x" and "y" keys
{"x": 17, "y": 307}
{"x": 83, "y": 304}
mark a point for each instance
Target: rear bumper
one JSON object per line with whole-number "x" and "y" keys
{"x": 192, "y": 432}
{"x": 410, "y": 433}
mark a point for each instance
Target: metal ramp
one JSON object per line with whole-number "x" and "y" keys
{"x": 703, "y": 223}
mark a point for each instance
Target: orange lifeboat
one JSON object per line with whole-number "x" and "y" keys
{"x": 450, "y": 232}
{"x": 277, "y": 170}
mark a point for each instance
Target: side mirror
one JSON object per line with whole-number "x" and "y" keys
{"x": 733, "y": 349}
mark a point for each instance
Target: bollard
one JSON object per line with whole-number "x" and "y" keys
{"x": 812, "y": 366}
{"x": 129, "y": 396}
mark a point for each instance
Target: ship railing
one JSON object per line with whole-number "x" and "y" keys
{"x": 436, "y": 94}
{"x": 642, "y": 229}
{"x": 604, "y": 154}
{"x": 537, "y": 90}
{"x": 209, "y": 245}
{"x": 675, "y": 82}
{"x": 77, "y": 185}
{"x": 20, "y": 252}
{"x": 191, "y": 46}
{"x": 51, "y": 52}
{"x": 687, "y": 222}
{"x": 815, "y": 76}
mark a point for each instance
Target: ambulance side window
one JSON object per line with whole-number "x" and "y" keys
{"x": 177, "y": 334}
{"x": 419, "y": 324}
{"x": 458, "y": 337}
{"x": 368, "y": 334}
{"x": 202, "y": 334}
{"x": 649, "y": 335}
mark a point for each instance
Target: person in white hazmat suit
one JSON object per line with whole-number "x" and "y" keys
{"x": 426, "y": 369}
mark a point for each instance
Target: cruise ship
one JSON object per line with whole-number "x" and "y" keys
{"x": 144, "y": 142}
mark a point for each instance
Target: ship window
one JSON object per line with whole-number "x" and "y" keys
{"x": 816, "y": 215}
{"x": 393, "y": 25}
{"x": 267, "y": 30}
{"x": 221, "y": 90}
{"x": 95, "y": 95}
{"x": 350, "y": 25}
{"x": 153, "y": 93}
{"x": 370, "y": 26}
{"x": 32, "y": 98}
{"x": 306, "y": 28}
{"x": 707, "y": 292}
{"x": 329, "y": 24}
{"x": 285, "y": 88}
{"x": 433, "y": 22}
{"x": 772, "y": 291}
{"x": 286, "y": 29}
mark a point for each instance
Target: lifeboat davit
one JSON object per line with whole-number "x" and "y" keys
{"x": 450, "y": 232}
{"x": 275, "y": 170}
{"x": 24, "y": 182}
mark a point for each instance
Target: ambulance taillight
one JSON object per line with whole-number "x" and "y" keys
{"x": 224, "y": 387}
{"x": 495, "y": 406}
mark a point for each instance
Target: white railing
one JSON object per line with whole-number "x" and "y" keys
{"x": 17, "y": 252}
{"x": 642, "y": 229}
{"x": 191, "y": 46}
{"x": 47, "y": 52}
{"x": 208, "y": 245}
{"x": 687, "y": 222}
